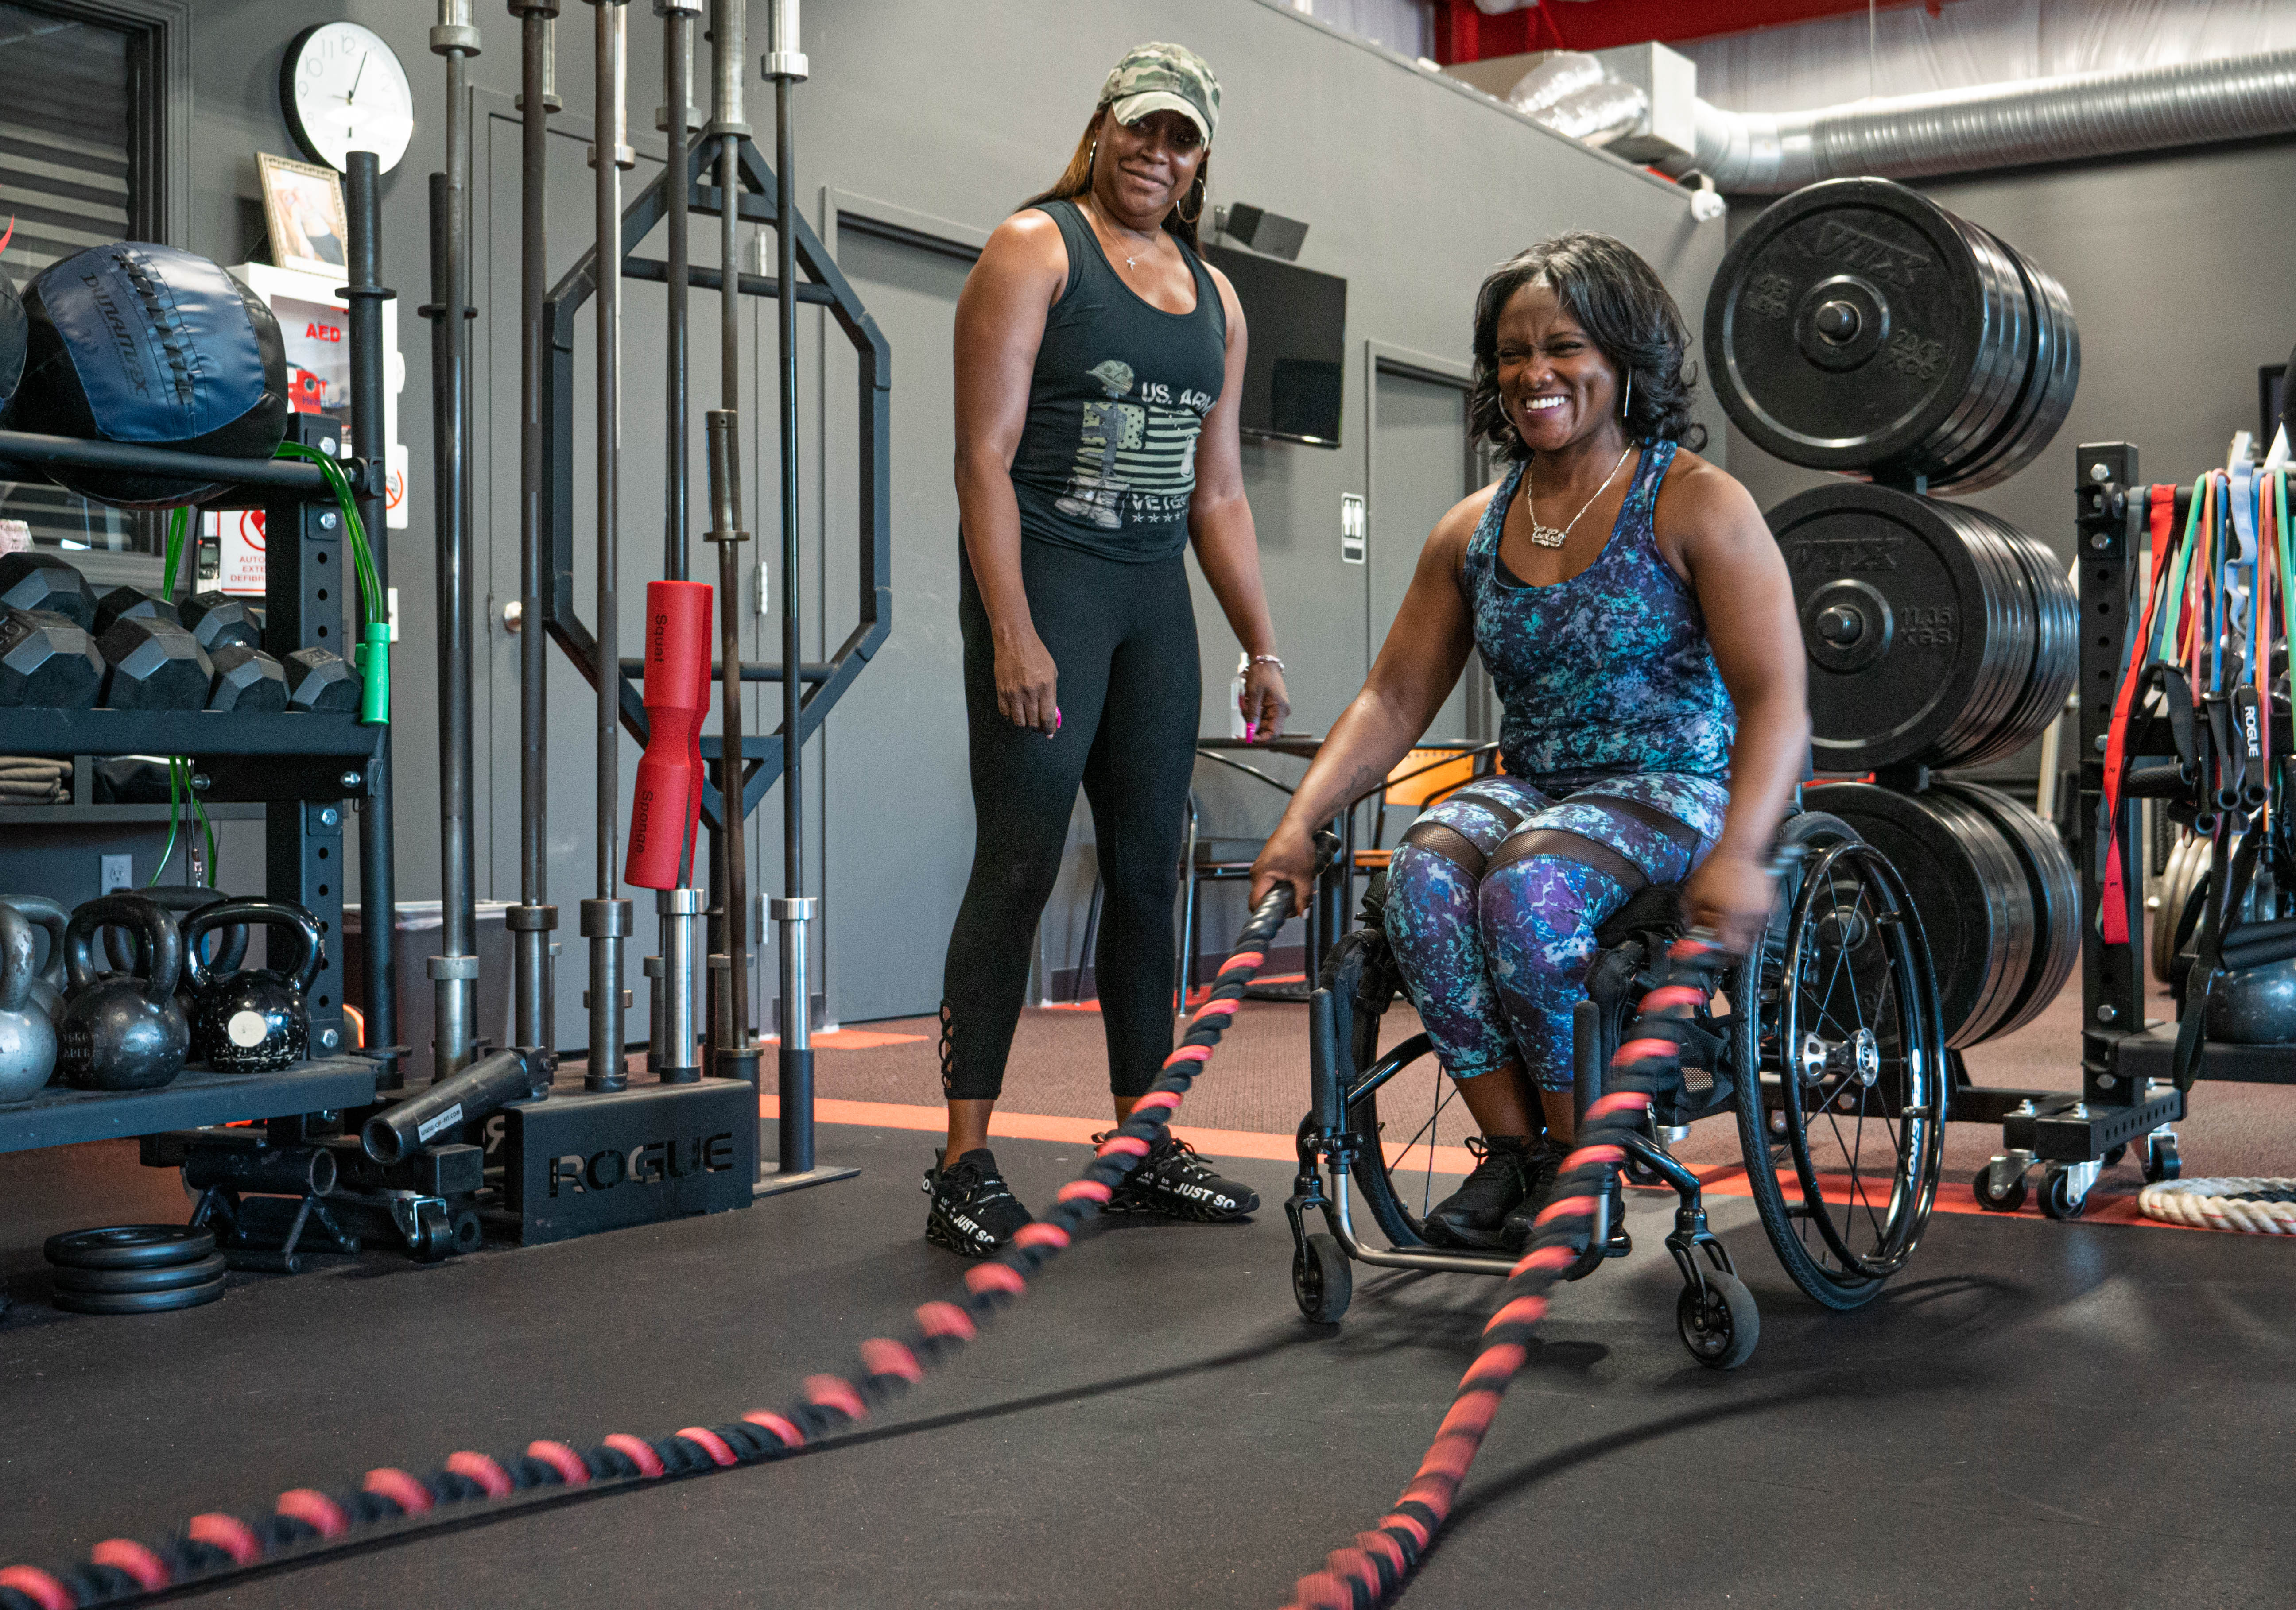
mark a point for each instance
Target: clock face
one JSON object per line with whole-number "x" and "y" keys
{"x": 343, "y": 90}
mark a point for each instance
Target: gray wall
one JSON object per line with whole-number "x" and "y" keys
{"x": 2176, "y": 268}
{"x": 942, "y": 118}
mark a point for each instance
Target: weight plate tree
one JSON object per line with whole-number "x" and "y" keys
{"x": 1858, "y": 326}
{"x": 1995, "y": 889}
{"x": 1937, "y": 636}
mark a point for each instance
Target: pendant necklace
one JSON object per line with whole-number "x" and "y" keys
{"x": 1133, "y": 263}
{"x": 1547, "y": 537}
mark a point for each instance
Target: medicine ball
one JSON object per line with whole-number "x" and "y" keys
{"x": 134, "y": 342}
{"x": 11, "y": 338}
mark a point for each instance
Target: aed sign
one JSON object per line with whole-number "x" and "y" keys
{"x": 577, "y": 1164}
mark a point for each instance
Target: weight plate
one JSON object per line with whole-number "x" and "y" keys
{"x": 168, "y": 1276}
{"x": 1846, "y": 326}
{"x": 2052, "y": 375}
{"x": 1965, "y": 883}
{"x": 2186, "y": 861}
{"x": 2056, "y": 649}
{"x": 2055, "y": 889}
{"x": 1975, "y": 737}
{"x": 130, "y": 1247}
{"x": 138, "y": 1301}
{"x": 1904, "y": 626}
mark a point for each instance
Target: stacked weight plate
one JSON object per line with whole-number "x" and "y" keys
{"x": 135, "y": 1268}
{"x": 1997, "y": 895}
{"x": 1858, "y": 326}
{"x": 1937, "y": 634}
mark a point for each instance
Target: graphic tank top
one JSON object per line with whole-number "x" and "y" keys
{"x": 1610, "y": 672}
{"x": 1107, "y": 459}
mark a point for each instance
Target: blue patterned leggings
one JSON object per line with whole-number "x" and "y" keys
{"x": 1494, "y": 896}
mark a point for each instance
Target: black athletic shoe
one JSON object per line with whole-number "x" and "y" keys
{"x": 1546, "y": 1155}
{"x": 1506, "y": 1172}
{"x": 973, "y": 1211}
{"x": 1173, "y": 1180}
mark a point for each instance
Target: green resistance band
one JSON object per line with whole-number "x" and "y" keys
{"x": 372, "y": 655}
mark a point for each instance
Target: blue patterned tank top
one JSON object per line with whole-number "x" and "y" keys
{"x": 1610, "y": 672}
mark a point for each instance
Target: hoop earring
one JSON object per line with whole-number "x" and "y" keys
{"x": 1627, "y": 401}
{"x": 1190, "y": 217}
{"x": 1091, "y": 159}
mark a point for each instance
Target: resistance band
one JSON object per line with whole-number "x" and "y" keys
{"x": 373, "y": 657}
{"x": 306, "y": 1521}
{"x": 1367, "y": 1572}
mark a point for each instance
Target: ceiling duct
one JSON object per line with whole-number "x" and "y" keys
{"x": 2063, "y": 119}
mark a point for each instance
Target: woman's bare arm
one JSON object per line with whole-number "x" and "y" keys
{"x": 1227, "y": 547}
{"x": 1000, "y": 323}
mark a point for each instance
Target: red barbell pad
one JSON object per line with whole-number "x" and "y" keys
{"x": 667, "y": 801}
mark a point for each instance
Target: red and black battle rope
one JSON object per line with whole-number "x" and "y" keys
{"x": 1368, "y": 1571}
{"x": 307, "y": 1520}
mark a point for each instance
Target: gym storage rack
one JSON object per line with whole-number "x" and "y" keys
{"x": 299, "y": 767}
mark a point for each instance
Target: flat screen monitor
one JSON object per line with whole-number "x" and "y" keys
{"x": 1292, "y": 374}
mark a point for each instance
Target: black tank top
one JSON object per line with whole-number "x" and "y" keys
{"x": 1107, "y": 459}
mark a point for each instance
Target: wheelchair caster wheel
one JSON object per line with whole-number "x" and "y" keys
{"x": 1719, "y": 1323}
{"x": 434, "y": 1236}
{"x": 2057, "y": 1199}
{"x": 2161, "y": 1161}
{"x": 2113, "y": 1156}
{"x": 2005, "y": 1201}
{"x": 1322, "y": 1279}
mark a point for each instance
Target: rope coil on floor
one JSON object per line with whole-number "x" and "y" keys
{"x": 1365, "y": 1573}
{"x": 2256, "y": 1206}
{"x": 307, "y": 1521}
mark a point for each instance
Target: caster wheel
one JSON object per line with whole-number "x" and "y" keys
{"x": 2162, "y": 1162}
{"x": 2057, "y": 1199}
{"x": 2112, "y": 1158}
{"x": 1721, "y": 1325}
{"x": 434, "y": 1236}
{"x": 1322, "y": 1279}
{"x": 467, "y": 1231}
{"x": 2002, "y": 1202}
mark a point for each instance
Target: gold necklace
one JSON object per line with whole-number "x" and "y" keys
{"x": 1547, "y": 537}
{"x": 1128, "y": 262}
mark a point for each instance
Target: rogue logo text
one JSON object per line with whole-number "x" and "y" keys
{"x": 649, "y": 1164}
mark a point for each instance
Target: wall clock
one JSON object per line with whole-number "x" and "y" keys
{"x": 343, "y": 90}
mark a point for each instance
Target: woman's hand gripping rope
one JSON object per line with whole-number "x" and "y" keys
{"x": 1367, "y": 1572}
{"x": 306, "y": 1521}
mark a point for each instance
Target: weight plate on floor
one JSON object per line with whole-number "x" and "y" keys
{"x": 168, "y": 1276}
{"x": 138, "y": 1301}
{"x": 1855, "y": 325}
{"x": 2054, "y": 886}
{"x": 1966, "y": 883}
{"x": 130, "y": 1247}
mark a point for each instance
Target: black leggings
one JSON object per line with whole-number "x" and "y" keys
{"x": 1123, "y": 637}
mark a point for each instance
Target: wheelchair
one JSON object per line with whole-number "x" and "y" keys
{"x": 1827, "y": 1048}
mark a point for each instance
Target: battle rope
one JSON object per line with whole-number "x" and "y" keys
{"x": 307, "y": 1521}
{"x": 2260, "y": 1207}
{"x": 1362, "y": 1575}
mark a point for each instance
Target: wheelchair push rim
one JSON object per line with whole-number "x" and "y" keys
{"x": 1861, "y": 1084}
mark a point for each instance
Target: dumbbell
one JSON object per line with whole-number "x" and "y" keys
{"x": 48, "y": 660}
{"x": 155, "y": 665}
{"x": 217, "y": 618}
{"x": 124, "y": 603}
{"x": 41, "y": 581}
{"x": 319, "y": 679}
{"x": 247, "y": 679}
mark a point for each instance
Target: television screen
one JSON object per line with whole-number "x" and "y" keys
{"x": 1297, "y": 319}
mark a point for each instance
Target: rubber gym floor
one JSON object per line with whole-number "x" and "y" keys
{"x": 2074, "y": 1415}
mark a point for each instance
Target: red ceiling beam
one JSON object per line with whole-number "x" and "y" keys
{"x": 1463, "y": 33}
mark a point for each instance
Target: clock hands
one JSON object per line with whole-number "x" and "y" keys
{"x": 350, "y": 96}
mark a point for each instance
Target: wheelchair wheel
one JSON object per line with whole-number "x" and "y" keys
{"x": 1322, "y": 1283}
{"x": 1838, "y": 1010}
{"x": 1396, "y": 1166}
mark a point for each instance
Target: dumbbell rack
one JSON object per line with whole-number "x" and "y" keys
{"x": 299, "y": 766}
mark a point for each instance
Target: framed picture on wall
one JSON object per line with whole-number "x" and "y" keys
{"x": 303, "y": 209}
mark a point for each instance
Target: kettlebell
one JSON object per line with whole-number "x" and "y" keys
{"x": 28, "y": 1039}
{"x": 130, "y": 955}
{"x": 120, "y": 1031}
{"x": 254, "y": 1021}
{"x": 48, "y": 982}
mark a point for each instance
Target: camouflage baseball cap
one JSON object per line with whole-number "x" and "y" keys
{"x": 1163, "y": 77}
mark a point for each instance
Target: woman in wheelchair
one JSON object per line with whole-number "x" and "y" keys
{"x": 1649, "y": 662}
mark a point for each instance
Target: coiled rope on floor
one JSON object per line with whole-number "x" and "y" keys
{"x": 307, "y": 1520}
{"x": 1365, "y": 1573}
{"x": 2256, "y": 1206}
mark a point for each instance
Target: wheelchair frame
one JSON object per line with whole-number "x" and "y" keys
{"x": 1718, "y": 1318}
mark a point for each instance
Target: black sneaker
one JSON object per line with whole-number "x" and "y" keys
{"x": 1506, "y": 1172}
{"x": 973, "y": 1211}
{"x": 1547, "y": 1156}
{"x": 1173, "y": 1180}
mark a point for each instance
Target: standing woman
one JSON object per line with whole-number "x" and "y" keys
{"x": 1098, "y": 364}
